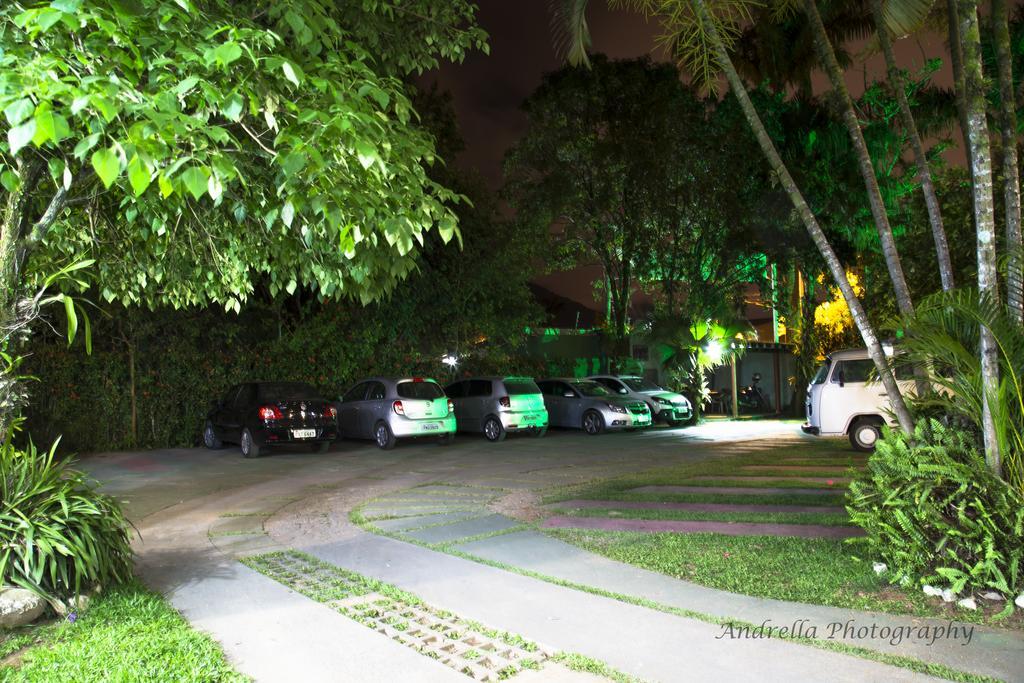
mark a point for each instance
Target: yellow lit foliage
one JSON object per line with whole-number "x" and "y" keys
{"x": 832, "y": 317}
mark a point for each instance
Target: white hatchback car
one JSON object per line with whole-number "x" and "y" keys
{"x": 846, "y": 399}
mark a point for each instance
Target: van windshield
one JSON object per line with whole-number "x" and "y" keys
{"x": 819, "y": 377}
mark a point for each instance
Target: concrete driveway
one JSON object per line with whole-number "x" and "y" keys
{"x": 198, "y": 512}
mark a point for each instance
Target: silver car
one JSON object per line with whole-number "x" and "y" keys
{"x": 666, "y": 406}
{"x": 385, "y": 410}
{"x": 496, "y": 406}
{"x": 585, "y": 404}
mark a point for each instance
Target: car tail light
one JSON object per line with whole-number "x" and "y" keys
{"x": 505, "y": 402}
{"x": 451, "y": 406}
{"x": 398, "y": 408}
{"x": 269, "y": 413}
{"x": 331, "y": 412}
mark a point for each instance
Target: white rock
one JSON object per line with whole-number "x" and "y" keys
{"x": 19, "y": 607}
{"x": 879, "y": 567}
{"x": 932, "y": 590}
{"x": 948, "y": 595}
{"x": 1019, "y": 601}
{"x": 967, "y": 603}
{"x": 993, "y": 596}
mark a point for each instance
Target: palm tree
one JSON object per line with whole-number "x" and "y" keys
{"x": 980, "y": 157}
{"x": 867, "y": 168}
{"x": 701, "y": 42}
{"x": 924, "y": 174}
{"x": 1011, "y": 174}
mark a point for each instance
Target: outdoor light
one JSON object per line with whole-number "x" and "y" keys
{"x": 714, "y": 350}
{"x": 449, "y": 360}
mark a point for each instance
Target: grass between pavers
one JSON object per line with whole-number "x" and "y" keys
{"x": 128, "y": 634}
{"x": 348, "y": 584}
{"x": 928, "y": 668}
{"x": 836, "y": 500}
{"x": 819, "y": 519}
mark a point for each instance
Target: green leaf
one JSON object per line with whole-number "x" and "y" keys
{"x": 227, "y": 53}
{"x": 19, "y": 110}
{"x": 69, "y": 6}
{"x": 139, "y": 175}
{"x": 85, "y": 144}
{"x": 69, "y": 309}
{"x": 107, "y": 166}
{"x": 290, "y": 72}
{"x": 367, "y": 153}
{"x": 19, "y": 136}
{"x": 195, "y": 180}
{"x": 232, "y": 108}
{"x": 288, "y": 213}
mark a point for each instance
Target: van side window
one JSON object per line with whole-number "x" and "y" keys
{"x": 853, "y": 371}
{"x": 376, "y": 392}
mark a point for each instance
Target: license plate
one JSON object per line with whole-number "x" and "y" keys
{"x": 303, "y": 433}
{"x": 431, "y": 426}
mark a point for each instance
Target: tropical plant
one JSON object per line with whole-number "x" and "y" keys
{"x": 692, "y": 349}
{"x": 943, "y": 338}
{"x": 58, "y": 535}
{"x": 935, "y": 514}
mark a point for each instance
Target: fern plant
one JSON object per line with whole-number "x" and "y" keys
{"x": 58, "y": 534}
{"x": 933, "y": 511}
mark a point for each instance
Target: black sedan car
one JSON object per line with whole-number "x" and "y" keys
{"x": 259, "y": 414}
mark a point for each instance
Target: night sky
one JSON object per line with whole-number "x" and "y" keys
{"x": 489, "y": 90}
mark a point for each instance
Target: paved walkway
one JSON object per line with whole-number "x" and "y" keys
{"x": 198, "y": 511}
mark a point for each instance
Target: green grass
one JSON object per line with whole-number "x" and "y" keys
{"x": 128, "y": 634}
{"x": 823, "y": 519}
{"x": 815, "y": 571}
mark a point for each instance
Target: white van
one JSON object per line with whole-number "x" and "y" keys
{"x": 845, "y": 398}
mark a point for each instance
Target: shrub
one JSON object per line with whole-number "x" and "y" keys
{"x": 58, "y": 535}
{"x": 935, "y": 513}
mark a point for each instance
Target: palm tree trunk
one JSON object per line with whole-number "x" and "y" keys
{"x": 984, "y": 214}
{"x": 771, "y": 154}
{"x": 1011, "y": 174}
{"x": 956, "y": 60}
{"x": 924, "y": 174}
{"x": 867, "y": 168}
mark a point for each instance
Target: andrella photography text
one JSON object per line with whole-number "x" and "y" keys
{"x": 928, "y": 634}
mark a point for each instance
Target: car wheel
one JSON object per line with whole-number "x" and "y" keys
{"x": 593, "y": 423}
{"x": 493, "y": 429}
{"x": 322, "y": 447}
{"x": 865, "y": 433}
{"x": 538, "y": 433}
{"x": 383, "y": 436}
{"x": 250, "y": 448}
{"x": 210, "y": 439}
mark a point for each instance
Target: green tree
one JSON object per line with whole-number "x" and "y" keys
{"x": 583, "y": 165}
{"x": 197, "y": 149}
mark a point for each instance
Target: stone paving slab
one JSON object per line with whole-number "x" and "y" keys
{"x": 693, "y": 527}
{"x": 407, "y": 523}
{"x": 735, "y": 490}
{"x": 798, "y": 480}
{"x": 693, "y": 507}
{"x": 414, "y": 510}
{"x": 991, "y": 652}
{"x": 470, "y": 527}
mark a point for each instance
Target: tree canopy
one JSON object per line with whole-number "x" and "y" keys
{"x": 196, "y": 148}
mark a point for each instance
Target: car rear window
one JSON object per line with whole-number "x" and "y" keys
{"x": 286, "y": 391}
{"x": 519, "y": 386}
{"x": 420, "y": 390}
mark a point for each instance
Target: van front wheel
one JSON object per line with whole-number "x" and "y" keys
{"x": 865, "y": 433}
